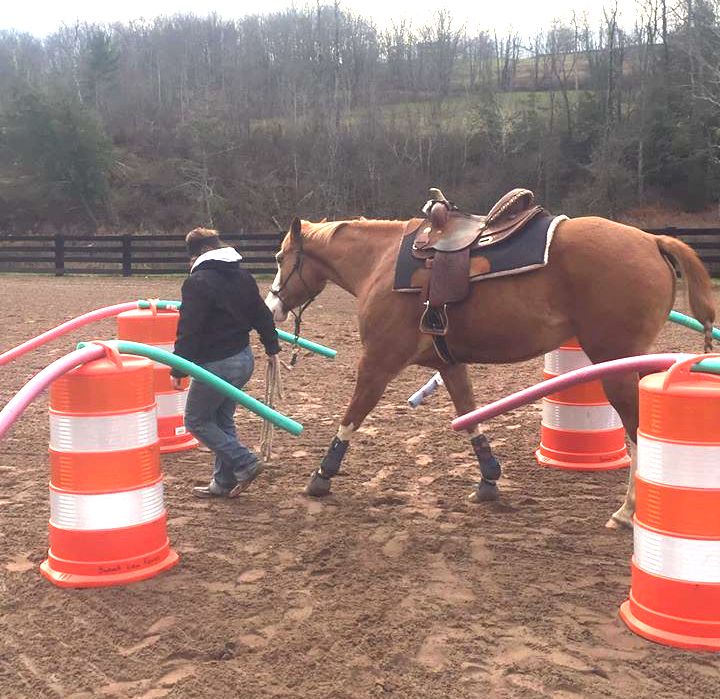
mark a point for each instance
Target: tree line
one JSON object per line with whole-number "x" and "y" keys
{"x": 185, "y": 121}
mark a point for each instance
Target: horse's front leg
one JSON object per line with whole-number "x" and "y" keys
{"x": 372, "y": 380}
{"x": 458, "y": 384}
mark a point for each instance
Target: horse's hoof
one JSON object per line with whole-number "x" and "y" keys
{"x": 485, "y": 492}
{"x": 617, "y": 521}
{"x": 318, "y": 486}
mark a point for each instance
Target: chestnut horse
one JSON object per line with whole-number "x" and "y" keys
{"x": 608, "y": 284}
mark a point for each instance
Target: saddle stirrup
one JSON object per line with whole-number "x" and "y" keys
{"x": 434, "y": 321}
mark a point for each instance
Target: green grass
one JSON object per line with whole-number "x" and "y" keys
{"x": 455, "y": 113}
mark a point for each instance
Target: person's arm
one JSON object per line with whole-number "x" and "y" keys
{"x": 261, "y": 317}
{"x": 193, "y": 312}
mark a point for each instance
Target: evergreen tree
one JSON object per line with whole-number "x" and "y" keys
{"x": 61, "y": 149}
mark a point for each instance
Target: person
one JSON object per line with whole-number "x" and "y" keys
{"x": 221, "y": 303}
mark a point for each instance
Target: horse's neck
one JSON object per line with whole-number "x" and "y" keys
{"x": 352, "y": 255}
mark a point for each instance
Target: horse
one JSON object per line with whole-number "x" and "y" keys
{"x": 608, "y": 284}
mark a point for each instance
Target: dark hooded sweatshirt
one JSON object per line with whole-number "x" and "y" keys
{"x": 221, "y": 303}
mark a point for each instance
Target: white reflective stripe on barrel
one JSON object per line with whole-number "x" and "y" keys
{"x": 171, "y": 404}
{"x": 691, "y": 560}
{"x": 562, "y": 361}
{"x": 683, "y": 465}
{"x": 579, "y": 417}
{"x": 107, "y": 510}
{"x": 103, "y": 432}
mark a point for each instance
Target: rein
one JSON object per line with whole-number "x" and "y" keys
{"x": 297, "y": 315}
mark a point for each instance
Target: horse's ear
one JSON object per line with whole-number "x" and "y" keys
{"x": 295, "y": 228}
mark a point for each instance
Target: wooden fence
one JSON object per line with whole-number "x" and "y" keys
{"x": 123, "y": 254}
{"x": 165, "y": 254}
{"x": 704, "y": 241}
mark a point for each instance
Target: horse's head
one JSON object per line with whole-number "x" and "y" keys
{"x": 299, "y": 278}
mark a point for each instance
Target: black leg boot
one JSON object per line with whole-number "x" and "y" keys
{"x": 490, "y": 471}
{"x": 319, "y": 483}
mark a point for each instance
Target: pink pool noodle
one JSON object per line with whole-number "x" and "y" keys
{"x": 643, "y": 363}
{"x": 38, "y": 383}
{"x": 64, "y": 328}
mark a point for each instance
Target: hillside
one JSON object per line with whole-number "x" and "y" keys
{"x": 189, "y": 121}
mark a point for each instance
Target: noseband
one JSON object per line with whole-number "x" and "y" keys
{"x": 296, "y": 269}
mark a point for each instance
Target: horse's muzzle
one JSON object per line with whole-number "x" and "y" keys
{"x": 275, "y": 304}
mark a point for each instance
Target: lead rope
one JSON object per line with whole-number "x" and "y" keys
{"x": 298, "y": 320}
{"x": 296, "y": 347}
{"x": 273, "y": 393}
{"x": 273, "y": 383}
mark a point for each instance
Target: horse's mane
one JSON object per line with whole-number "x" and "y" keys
{"x": 324, "y": 230}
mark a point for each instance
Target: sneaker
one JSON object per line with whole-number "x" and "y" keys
{"x": 212, "y": 490}
{"x": 247, "y": 476}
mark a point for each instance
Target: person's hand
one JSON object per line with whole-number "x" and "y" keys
{"x": 176, "y": 383}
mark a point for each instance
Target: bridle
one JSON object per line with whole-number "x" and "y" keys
{"x": 297, "y": 314}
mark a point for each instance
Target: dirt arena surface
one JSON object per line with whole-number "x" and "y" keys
{"x": 392, "y": 586}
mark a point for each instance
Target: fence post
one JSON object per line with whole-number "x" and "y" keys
{"x": 126, "y": 255}
{"x": 59, "y": 255}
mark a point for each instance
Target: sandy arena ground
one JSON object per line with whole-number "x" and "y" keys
{"x": 393, "y": 586}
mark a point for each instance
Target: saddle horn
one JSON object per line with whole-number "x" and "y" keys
{"x": 437, "y": 195}
{"x": 437, "y": 208}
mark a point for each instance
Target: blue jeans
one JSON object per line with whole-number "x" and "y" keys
{"x": 210, "y": 417}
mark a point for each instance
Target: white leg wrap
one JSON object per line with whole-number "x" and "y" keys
{"x": 475, "y": 432}
{"x": 345, "y": 432}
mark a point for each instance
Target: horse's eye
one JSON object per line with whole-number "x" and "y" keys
{"x": 279, "y": 258}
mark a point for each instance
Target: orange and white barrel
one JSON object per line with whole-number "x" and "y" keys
{"x": 675, "y": 590}
{"x": 580, "y": 430}
{"x": 107, "y": 514}
{"x": 159, "y": 328}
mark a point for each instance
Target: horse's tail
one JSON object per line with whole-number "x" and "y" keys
{"x": 698, "y": 281}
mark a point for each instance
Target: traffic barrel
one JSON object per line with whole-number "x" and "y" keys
{"x": 107, "y": 515}
{"x": 158, "y": 327}
{"x": 580, "y": 430}
{"x": 675, "y": 589}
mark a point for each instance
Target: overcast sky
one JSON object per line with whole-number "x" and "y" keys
{"x": 525, "y": 16}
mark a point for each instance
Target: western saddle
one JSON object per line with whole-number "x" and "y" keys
{"x": 444, "y": 240}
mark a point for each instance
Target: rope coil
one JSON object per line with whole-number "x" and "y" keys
{"x": 273, "y": 394}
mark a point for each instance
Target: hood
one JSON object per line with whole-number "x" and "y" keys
{"x": 227, "y": 254}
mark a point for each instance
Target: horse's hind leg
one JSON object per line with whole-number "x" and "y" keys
{"x": 372, "y": 380}
{"x": 623, "y": 517}
{"x": 458, "y": 384}
{"x": 622, "y": 392}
